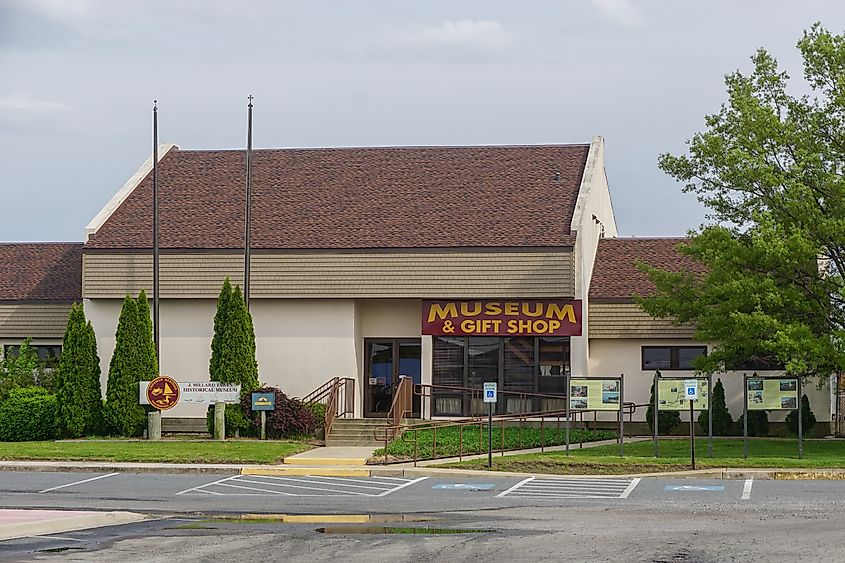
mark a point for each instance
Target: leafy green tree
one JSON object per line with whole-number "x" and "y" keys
{"x": 122, "y": 413}
{"x": 20, "y": 369}
{"x": 769, "y": 167}
{"x": 233, "y": 353}
{"x": 73, "y": 377}
{"x": 666, "y": 420}
{"x": 722, "y": 420}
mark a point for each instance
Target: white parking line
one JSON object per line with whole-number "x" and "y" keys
{"x": 77, "y": 483}
{"x": 746, "y": 490}
{"x": 199, "y": 488}
{"x": 523, "y": 482}
{"x": 265, "y": 483}
{"x": 314, "y": 481}
{"x": 630, "y": 488}
{"x": 408, "y": 484}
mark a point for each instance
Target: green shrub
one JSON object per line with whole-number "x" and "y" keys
{"x": 808, "y": 418}
{"x": 666, "y": 420}
{"x": 319, "y": 412}
{"x": 722, "y": 420}
{"x": 758, "y": 423}
{"x": 27, "y": 415}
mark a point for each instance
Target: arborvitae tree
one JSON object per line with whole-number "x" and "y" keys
{"x": 808, "y": 418}
{"x": 722, "y": 420}
{"x": 122, "y": 413}
{"x": 666, "y": 420}
{"x": 233, "y": 353}
{"x": 72, "y": 378}
{"x": 94, "y": 423}
{"x": 219, "y": 325}
{"x": 149, "y": 361}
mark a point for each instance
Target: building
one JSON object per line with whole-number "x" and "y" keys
{"x": 361, "y": 256}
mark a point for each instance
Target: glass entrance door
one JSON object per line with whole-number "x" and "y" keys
{"x": 387, "y": 360}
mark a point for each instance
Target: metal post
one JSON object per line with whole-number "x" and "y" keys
{"x": 489, "y": 435}
{"x": 248, "y": 205}
{"x": 156, "y": 323}
{"x": 691, "y": 434}
{"x": 654, "y": 417}
{"x": 621, "y": 415}
{"x": 745, "y": 415}
{"x": 710, "y": 415}
{"x": 567, "y": 377}
{"x": 800, "y": 423}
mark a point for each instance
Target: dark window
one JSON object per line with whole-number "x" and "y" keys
{"x": 671, "y": 357}
{"x": 47, "y": 353}
{"x": 520, "y": 364}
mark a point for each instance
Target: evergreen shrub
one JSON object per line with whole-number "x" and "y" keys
{"x": 28, "y": 414}
{"x": 808, "y": 418}
{"x": 722, "y": 420}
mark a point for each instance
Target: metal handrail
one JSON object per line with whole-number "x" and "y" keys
{"x": 408, "y": 429}
{"x": 329, "y": 394}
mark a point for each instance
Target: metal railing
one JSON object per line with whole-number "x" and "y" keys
{"x": 410, "y": 432}
{"x": 338, "y": 395}
{"x": 474, "y": 397}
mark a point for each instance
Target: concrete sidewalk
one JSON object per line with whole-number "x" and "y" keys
{"x": 19, "y": 523}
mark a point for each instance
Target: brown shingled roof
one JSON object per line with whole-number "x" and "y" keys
{"x": 615, "y": 276}
{"x": 50, "y": 271}
{"x": 406, "y": 197}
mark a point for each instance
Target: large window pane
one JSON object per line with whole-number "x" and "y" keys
{"x": 657, "y": 357}
{"x": 686, "y": 355}
{"x": 554, "y": 364}
{"x": 519, "y": 364}
{"x": 448, "y": 370}
{"x": 483, "y": 361}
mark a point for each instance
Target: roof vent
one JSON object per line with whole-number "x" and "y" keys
{"x": 557, "y": 176}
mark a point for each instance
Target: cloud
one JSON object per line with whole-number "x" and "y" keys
{"x": 623, "y": 12}
{"x": 20, "y": 102}
{"x": 455, "y": 39}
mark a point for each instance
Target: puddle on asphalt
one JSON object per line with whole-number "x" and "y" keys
{"x": 59, "y": 549}
{"x": 317, "y": 519}
{"x": 398, "y": 530}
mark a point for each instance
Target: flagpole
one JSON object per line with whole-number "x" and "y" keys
{"x": 155, "y": 237}
{"x": 248, "y": 225}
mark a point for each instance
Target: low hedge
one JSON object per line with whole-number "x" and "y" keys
{"x": 29, "y": 414}
{"x": 449, "y": 440}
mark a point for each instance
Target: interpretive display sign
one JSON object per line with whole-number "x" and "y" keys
{"x": 207, "y": 392}
{"x": 671, "y": 395}
{"x": 594, "y": 394}
{"x": 768, "y": 394}
{"x": 502, "y": 318}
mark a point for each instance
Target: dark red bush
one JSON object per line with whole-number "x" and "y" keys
{"x": 290, "y": 418}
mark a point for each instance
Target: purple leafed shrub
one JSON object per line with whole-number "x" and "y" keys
{"x": 290, "y": 418}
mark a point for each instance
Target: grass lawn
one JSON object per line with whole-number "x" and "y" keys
{"x": 165, "y": 451}
{"x": 674, "y": 456}
{"x": 450, "y": 442}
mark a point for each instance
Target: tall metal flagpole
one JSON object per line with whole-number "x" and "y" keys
{"x": 247, "y": 226}
{"x": 155, "y": 236}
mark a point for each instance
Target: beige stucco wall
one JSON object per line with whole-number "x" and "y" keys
{"x": 614, "y": 356}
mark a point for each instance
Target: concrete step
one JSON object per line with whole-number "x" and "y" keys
{"x": 358, "y": 442}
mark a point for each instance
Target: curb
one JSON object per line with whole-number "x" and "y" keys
{"x": 403, "y": 471}
{"x": 72, "y": 522}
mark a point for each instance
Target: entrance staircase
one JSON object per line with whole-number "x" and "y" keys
{"x": 355, "y": 432}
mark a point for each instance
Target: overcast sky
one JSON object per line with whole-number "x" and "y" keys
{"x": 79, "y": 78}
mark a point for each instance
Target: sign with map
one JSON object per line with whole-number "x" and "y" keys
{"x": 769, "y": 394}
{"x": 671, "y": 395}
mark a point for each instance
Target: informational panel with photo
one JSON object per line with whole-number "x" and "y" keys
{"x": 594, "y": 394}
{"x": 769, "y": 394}
{"x": 671, "y": 395}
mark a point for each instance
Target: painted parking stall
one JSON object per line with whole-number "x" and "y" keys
{"x": 568, "y": 488}
{"x": 306, "y": 486}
